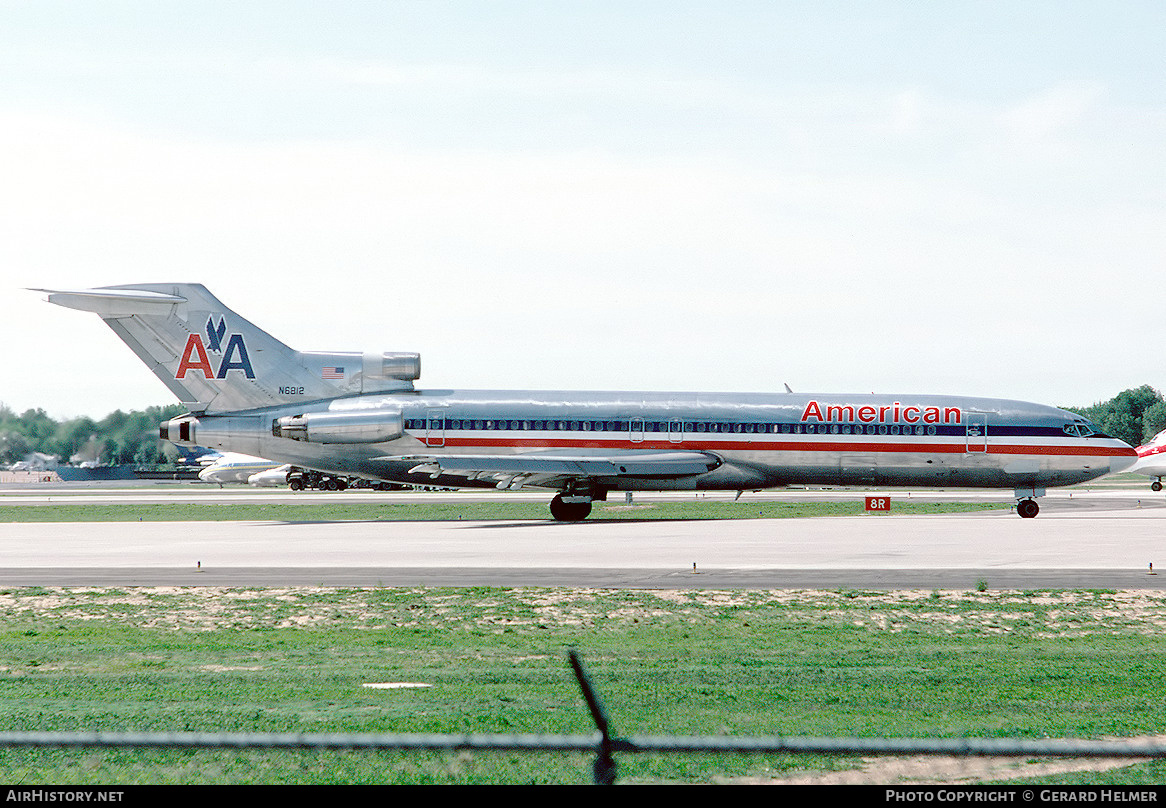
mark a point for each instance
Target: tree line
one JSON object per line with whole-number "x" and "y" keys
{"x": 1134, "y": 416}
{"x": 120, "y": 437}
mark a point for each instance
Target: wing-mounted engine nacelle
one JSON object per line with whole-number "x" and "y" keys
{"x": 361, "y": 426}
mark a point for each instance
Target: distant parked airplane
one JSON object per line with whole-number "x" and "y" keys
{"x": 233, "y": 467}
{"x": 359, "y": 415}
{"x": 276, "y": 477}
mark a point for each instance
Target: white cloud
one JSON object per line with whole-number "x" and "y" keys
{"x": 1051, "y": 115}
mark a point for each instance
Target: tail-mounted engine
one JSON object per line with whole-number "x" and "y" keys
{"x": 179, "y": 430}
{"x": 364, "y": 373}
{"x": 361, "y": 426}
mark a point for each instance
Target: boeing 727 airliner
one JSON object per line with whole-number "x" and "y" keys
{"x": 359, "y": 414}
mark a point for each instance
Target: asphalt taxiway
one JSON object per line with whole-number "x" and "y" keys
{"x": 1110, "y": 539}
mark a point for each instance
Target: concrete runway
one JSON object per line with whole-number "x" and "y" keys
{"x": 1104, "y": 539}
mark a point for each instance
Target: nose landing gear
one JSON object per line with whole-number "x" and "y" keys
{"x": 1027, "y": 508}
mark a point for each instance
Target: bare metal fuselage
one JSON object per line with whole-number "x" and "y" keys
{"x": 354, "y": 413}
{"x": 758, "y": 440}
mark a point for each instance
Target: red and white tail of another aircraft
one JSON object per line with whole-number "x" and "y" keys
{"x": 1152, "y": 460}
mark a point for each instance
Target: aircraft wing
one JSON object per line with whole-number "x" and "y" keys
{"x": 516, "y": 470}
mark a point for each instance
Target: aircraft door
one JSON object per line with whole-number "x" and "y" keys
{"x": 977, "y": 432}
{"x": 435, "y": 428}
{"x": 676, "y": 430}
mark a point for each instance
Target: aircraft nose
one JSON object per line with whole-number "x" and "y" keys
{"x": 1122, "y": 457}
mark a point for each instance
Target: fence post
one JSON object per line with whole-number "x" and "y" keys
{"x": 604, "y": 768}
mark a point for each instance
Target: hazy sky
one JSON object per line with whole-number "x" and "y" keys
{"x": 964, "y": 198}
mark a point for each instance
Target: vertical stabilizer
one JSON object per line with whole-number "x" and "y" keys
{"x": 212, "y": 359}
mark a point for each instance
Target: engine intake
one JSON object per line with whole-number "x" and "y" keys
{"x": 362, "y": 426}
{"x": 179, "y": 430}
{"x": 403, "y": 366}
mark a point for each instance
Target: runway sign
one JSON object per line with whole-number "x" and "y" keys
{"x": 878, "y": 503}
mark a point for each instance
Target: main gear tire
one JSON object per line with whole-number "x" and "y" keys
{"x": 569, "y": 511}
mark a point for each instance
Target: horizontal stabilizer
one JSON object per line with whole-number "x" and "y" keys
{"x": 112, "y": 302}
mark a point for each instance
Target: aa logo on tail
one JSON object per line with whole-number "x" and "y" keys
{"x": 233, "y": 357}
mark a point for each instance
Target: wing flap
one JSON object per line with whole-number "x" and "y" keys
{"x": 657, "y": 465}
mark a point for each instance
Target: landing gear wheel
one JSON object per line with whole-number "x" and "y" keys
{"x": 1027, "y": 508}
{"x": 296, "y": 485}
{"x": 1156, "y": 485}
{"x": 569, "y": 511}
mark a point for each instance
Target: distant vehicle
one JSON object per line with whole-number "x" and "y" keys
{"x": 354, "y": 414}
{"x": 1152, "y": 460}
{"x": 233, "y": 467}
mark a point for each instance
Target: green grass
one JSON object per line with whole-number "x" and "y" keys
{"x": 471, "y": 511}
{"x": 984, "y": 664}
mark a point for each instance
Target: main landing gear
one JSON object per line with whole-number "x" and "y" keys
{"x": 1156, "y": 485}
{"x": 564, "y": 511}
{"x": 574, "y": 505}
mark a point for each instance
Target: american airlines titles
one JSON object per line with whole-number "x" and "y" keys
{"x": 883, "y": 413}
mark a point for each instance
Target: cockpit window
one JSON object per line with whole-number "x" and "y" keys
{"x": 1082, "y": 429}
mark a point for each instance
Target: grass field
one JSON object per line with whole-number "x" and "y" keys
{"x": 987, "y": 664}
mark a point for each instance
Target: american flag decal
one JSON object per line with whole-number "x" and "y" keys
{"x": 332, "y": 373}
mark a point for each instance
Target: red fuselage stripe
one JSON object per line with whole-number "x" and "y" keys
{"x": 783, "y": 446}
